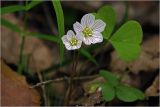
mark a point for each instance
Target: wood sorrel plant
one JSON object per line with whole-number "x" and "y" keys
{"x": 126, "y": 41}
{"x": 93, "y": 28}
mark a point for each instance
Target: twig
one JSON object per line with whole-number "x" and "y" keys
{"x": 62, "y": 79}
{"x": 41, "y": 80}
{"x": 43, "y": 88}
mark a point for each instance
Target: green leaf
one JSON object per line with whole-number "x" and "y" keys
{"x": 46, "y": 37}
{"x": 108, "y": 92}
{"x": 108, "y": 15}
{"x": 60, "y": 20}
{"x": 110, "y": 78}
{"x": 59, "y": 15}
{"x": 15, "y": 8}
{"x": 129, "y": 94}
{"x": 11, "y": 26}
{"x": 33, "y": 3}
{"x": 86, "y": 54}
{"x": 11, "y": 9}
{"x": 127, "y": 40}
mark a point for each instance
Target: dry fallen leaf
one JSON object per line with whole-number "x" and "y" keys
{"x": 147, "y": 61}
{"x": 15, "y": 91}
{"x": 153, "y": 90}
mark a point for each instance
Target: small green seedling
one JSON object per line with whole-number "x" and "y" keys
{"x": 113, "y": 88}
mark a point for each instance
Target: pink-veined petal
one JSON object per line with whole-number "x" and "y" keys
{"x": 88, "y": 20}
{"x": 79, "y": 36}
{"x": 77, "y": 27}
{"x": 87, "y": 41}
{"x": 98, "y": 26}
{"x": 68, "y": 46}
{"x": 97, "y": 38}
{"x": 70, "y": 34}
{"x": 64, "y": 39}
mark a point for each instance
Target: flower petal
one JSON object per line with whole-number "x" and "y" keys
{"x": 79, "y": 44}
{"x": 77, "y": 27}
{"x": 70, "y": 34}
{"x": 80, "y": 36}
{"x": 74, "y": 47}
{"x": 97, "y": 38}
{"x": 68, "y": 46}
{"x": 64, "y": 39}
{"x": 87, "y": 41}
{"x": 98, "y": 26}
{"x": 88, "y": 20}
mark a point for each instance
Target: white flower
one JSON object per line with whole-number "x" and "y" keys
{"x": 72, "y": 41}
{"x": 90, "y": 29}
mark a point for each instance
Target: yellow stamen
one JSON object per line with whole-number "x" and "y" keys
{"x": 73, "y": 41}
{"x": 87, "y": 32}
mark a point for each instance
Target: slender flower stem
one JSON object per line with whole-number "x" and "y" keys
{"x": 76, "y": 63}
{"x": 70, "y": 82}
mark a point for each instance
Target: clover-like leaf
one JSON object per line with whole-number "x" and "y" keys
{"x": 108, "y": 92}
{"x": 129, "y": 94}
{"x": 110, "y": 78}
{"x": 108, "y": 15}
{"x": 127, "y": 40}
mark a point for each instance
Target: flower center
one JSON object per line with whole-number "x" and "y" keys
{"x": 73, "y": 41}
{"x": 87, "y": 32}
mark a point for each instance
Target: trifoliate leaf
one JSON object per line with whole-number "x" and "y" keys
{"x": 127, "y": 40}
{"x": 129, "y": 94}
{"x": 108, "y": 92}
{"x": 110, "y": 78}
